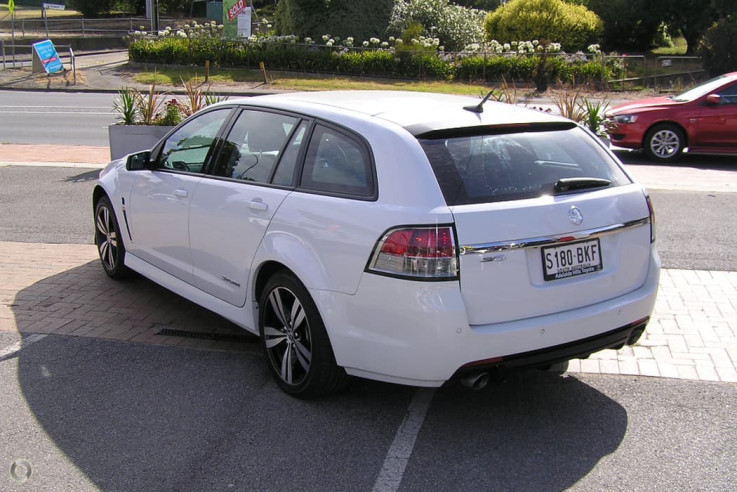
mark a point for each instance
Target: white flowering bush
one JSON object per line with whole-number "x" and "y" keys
{"x": 453, "y": 25}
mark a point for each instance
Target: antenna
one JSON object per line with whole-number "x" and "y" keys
{"x": 479, "y": 108}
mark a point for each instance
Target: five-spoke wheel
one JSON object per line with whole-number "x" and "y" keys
{"x": 294, "y": 340}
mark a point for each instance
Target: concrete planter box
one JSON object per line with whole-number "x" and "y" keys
{"x": 127, "y": 139}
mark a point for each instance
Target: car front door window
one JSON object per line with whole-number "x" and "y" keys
{"x": 189, "y": 148}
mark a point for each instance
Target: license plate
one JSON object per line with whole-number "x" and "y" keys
{"x": 571, "y": 260}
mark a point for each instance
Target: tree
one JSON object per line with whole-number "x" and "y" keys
{"x": 692, "y": 18}
{"x": 718, "y": 47}
{"x": 574, "y": 26}
{"x": 628, "y": 24}
{"x": 92, "y": 8}
{"x": 343, "y": 18}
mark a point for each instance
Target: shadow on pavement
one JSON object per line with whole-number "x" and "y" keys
{"x": 697, "y": 161}
{"x": 142, "y": 416}
{"x": 83, "y": 177}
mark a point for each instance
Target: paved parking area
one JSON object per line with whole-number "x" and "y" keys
{"x": 61, "y": 289}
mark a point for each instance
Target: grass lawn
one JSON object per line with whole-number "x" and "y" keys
{"x": 303, "y": 82}
{"x": 678, "y": 49}
{"x": 23, "y": 12}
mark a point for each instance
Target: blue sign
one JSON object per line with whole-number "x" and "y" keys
{"x": 47, "y": 55}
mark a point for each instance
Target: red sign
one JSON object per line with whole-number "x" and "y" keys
{"x": 239, "y": 7}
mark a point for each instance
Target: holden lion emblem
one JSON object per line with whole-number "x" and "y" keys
{"x": 575, "y": 216}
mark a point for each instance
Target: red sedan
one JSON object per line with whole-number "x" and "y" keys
{"x": 703, "y": 120}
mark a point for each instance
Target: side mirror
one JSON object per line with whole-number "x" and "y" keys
{"x": 713, "y": 99}
{"x": 138, "y": 161}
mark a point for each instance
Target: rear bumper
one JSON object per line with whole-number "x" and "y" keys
{"x": 417, "y": 333}
{"x": 580, "y": 349}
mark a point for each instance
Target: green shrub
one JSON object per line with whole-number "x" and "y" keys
{"x": 455, "y": 26}
{"x": 340, "y": 18}
{"x": 718, "y": 47}
{"x": 573, "y": 26}
{"x": 91, "y": 8}
{"x": 286, "y": 54}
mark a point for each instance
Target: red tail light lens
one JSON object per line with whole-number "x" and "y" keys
{"x": 417, "y": 252}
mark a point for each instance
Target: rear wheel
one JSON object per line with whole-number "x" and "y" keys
{"x": 295, "y": 342}
{"x": 664, "y": 142}
{"x": 108, "y": 240}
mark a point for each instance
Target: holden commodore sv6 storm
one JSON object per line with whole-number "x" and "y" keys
{"x": 403, "y": 237}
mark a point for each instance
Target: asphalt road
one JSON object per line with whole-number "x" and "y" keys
{"x": 74, "y": 118}
{"x": 84, "y": 413}
{"x": 693, "y": 227}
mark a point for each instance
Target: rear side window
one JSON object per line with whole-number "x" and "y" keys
{"x": 337, "y": 163}
{"x": 515, "y": 166}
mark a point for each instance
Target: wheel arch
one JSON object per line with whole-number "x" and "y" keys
{"x": 650, "y": 128}
{"x": 98, "y": 193}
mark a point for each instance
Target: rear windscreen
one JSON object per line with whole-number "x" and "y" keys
{"x": 515, "y": 166}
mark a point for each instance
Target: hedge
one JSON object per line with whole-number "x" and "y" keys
{"x": 399, "y": 63}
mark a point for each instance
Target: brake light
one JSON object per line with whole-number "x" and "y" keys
{"x": 652, "y": 218}
{"x": 427, "y": 253}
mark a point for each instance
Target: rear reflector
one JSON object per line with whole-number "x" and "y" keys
{"x": 426, "y": 253}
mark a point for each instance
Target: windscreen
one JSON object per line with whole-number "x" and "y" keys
{"x": 519, "y": 165}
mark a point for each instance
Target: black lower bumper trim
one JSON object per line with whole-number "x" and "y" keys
{"x": 580, "y": 349}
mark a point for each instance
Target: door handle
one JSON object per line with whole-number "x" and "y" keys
{"x": 181, "y": 193}
{"x": 258, "y": 205}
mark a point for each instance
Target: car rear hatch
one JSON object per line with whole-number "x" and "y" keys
{"x": 546, "y": 220}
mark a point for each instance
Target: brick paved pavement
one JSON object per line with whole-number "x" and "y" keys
{"x": 61, "y": 289}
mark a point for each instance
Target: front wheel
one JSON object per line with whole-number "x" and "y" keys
{"x": 295, "y": 342}
{"x": 109, "y": 241}
{"x": 664, "y": 143}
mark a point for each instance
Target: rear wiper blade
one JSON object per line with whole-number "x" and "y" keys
{"x": 570, "y": 184}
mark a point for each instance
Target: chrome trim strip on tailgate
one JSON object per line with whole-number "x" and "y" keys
{"x": 480, "y": 249}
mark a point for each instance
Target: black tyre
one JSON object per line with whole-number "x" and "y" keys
{"x": 664, "y": 143}
{"x": 295, "y": 342}
{"x": 109, "y": 241}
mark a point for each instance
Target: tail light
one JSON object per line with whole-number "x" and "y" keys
{"x": 421, "y": 253}
{"x": 652, "y": 218}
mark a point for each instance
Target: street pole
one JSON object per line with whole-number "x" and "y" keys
{"x": 44, "y": 14}
{"x": 12, "y": 34}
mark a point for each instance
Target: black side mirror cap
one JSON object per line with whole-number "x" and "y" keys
{"x": 138, "y": 161}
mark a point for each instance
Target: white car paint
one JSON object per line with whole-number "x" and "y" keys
{"x": 207, "y": 240}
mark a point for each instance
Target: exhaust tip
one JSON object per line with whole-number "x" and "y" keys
{"x": 635, "y": 335}
{"x": 475, "y": 380}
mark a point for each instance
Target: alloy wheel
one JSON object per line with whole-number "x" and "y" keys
{"x": 665, "y": 143}
{"x": 287, "y": 336}
{"x": 107, "y": 238}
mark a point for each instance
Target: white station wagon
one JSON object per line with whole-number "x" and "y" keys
{"x": 403, "y": 237}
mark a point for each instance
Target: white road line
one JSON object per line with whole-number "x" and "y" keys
{"x": 17, "y": 346}
{"x": 84, "y": 113}
{"x": 6, "y": 106}
{"x": 390, "y": 476}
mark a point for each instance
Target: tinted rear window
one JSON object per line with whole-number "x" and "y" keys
{"x": 515, "y": 166}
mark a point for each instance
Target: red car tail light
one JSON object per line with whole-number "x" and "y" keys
{"x": 421, "y": 253}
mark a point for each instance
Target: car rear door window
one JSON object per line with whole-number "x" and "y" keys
{"x": 189, "y": 148}
{"x": 284, "y": 174}
{"x": 337, "y": 163}
{"x": 253, "y": 146}
{"x": 514, "y": 166}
